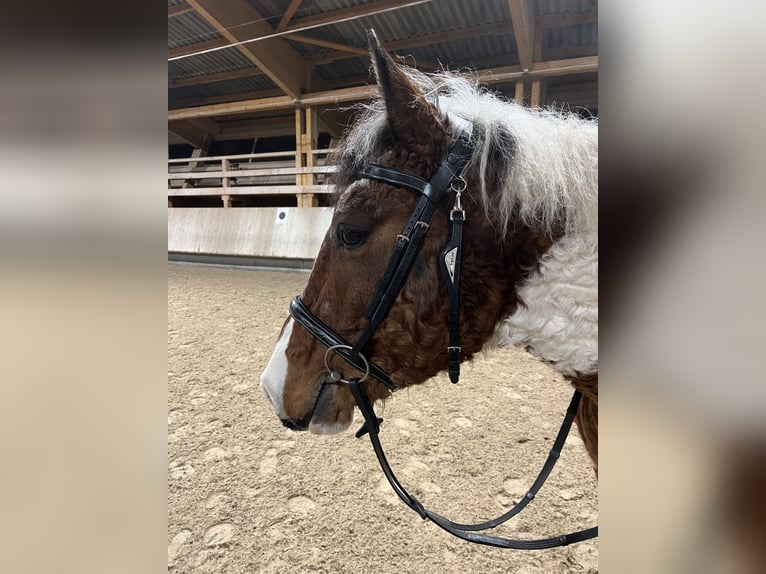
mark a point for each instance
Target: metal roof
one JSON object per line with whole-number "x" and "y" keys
{"x": 413, "y": 25}
{"x": 189, "y": 28}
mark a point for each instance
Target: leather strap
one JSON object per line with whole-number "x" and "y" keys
{"x": 394, "y": 177}
{"x": 404, "y": 252}
{"x": 469, "y": 532}
{"x": 450, "y": 263}
{"x": 321, "y": 332}
{"x": 391, "y": 286}
{"x": 408, "y": 243}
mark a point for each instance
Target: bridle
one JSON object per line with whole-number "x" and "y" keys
{"x": 447, "y": 177}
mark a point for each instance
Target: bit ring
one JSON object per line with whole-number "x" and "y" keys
{"x": 330, "y": 371}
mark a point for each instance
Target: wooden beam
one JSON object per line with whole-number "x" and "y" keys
{"x": 331, "y": 97}
{"x": 350, "y": 13}
{"x": 500, "y": 28}
{"x": 523, "y": 18}
{"x": 566, "y": 66}
{"x": 252, "y": 190}
{"x": 266, "y": 34}
{"x": 198, "y": 47}
{"x": 288, "y": 15}
{"x": 251, "y": 129}
{"x": 181, "y": 8}
{"x": 229, "y": 98}
{"x": 326, "y": 44}
{"x": 211, "y": 78}
{"x": 209, "y": 126}
{"x": 568, "y": 19}
{"x": 549, "y": 69}
{"x": 496, "y": 29}
{"x": 189, "y": 133}
{"x": 237, "y": 20}
{"x": 348, "y": 82}
{"x": 276, "y": 103}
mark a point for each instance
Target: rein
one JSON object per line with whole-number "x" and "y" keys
{"x": 447, "y": 177}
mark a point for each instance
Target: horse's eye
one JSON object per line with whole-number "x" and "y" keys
{"x": 349, "y": 237}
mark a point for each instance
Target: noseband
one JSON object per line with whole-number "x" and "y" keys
{"x": 447, "y": 177}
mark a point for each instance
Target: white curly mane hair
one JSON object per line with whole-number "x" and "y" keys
{"x": 548, "y": 179}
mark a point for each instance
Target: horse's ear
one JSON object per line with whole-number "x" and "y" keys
{"x": 411, "y": 117}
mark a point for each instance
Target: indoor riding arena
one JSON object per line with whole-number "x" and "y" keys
{"x": 260, "y": 92}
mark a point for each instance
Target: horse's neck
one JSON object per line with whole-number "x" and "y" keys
{"x": 558, "y": 320}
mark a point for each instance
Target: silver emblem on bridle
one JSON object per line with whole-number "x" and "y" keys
{"x": 449, "y": 262}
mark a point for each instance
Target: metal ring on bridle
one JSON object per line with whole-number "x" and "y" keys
{"x": 458, "y": 184}
{"x": 330, "y": 370}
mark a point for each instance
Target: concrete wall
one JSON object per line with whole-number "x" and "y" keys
{"x": 275, "y": 236}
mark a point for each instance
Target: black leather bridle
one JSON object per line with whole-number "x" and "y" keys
{"x": 447, "y": 177}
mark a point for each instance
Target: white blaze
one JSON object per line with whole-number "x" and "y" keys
{"x": 273, "y": 377}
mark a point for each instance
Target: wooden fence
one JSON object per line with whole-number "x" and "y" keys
{"x": 255, "y": 174}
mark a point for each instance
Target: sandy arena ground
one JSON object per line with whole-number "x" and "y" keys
{"x": 246, "y": 495}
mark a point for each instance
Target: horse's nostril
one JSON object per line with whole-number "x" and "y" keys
{"x": 292, "y": 425}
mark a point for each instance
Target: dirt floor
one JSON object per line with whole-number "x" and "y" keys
{"x": 247, "y": 495}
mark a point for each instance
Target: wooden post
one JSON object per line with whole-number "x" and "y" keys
{"x": 537, "y": 97}
{"x": 197, "y": 152}
{"x": 305, "y": 141}
{"x": 534, "y": 98}
{"x": 225, "y": 170}
{"x": 299, "y": 123}
{"x": 519, "y": 95}
{"x": 310, "y": 144}
{"x": 225, "y": 183}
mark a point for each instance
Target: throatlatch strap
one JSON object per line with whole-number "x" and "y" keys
{"x": 468, "y": 532}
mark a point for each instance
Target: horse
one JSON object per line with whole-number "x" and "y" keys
{"x": 461, "y": 222}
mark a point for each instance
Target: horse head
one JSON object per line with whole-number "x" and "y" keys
{"x": 405, "y": 130}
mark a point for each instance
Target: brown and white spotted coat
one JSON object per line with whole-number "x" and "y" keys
{"x": 530, "y": 252}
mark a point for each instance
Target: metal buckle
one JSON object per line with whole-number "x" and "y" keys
{"x": 458, "y": 185}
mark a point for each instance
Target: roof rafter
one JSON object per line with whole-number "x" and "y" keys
{"x": 351, "y": 13}
{"x": 190, "y": 133}
{"x": 178, "y": 9}
{"x": 211, "y": 78}
{"x": 568, "y": 19}
{"x": 489, "y": 76}
{"x": 499, "y": 28}
{"x": 327, "y": 44}
{"x": 523, "y": 18}
{"x": 237, "y": 20}
{"x": 288, "y": 15}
